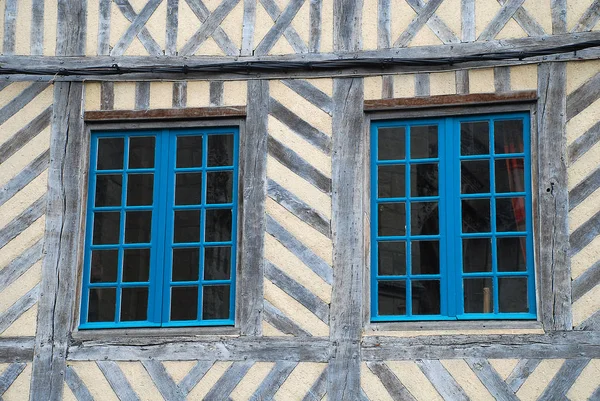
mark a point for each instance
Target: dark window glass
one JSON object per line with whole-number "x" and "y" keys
{"x": 474, "y": 138}
{"x": 134, "y": 304}
{"x": 392, "y": 258}
{"x": 424, "y": 142}
{"x": 102, "y": 302}
{"x": 475, "y": 177}
{"x": 141, "y": 152}
{"x": 425, "y": 257}
{"x": 425, "y": 297}
{"x": 187, "y": 226}
{"x": 110, "y": 153}
{"x": 479, "y": 295}
{"x": 510, "y": 175}
{"x": 220, "y": 150}
{"x": 219, "y": 187}
{"x": 392, "y": 143}
{"x": 391, "y": 181}
{"x": 510, "y": 214}
{"x": 140, "y": 188}
{"x": 186, "y": 264}
{"x": 218, "y": 225}
{"x": 508, "y": 136}
{"x": 476, "y": 216}
{"x": 392, "y": 219}
{"x": 424, "y": 180}
{"x": 391, "y": 297}
{"x": 106, "y": 227}
{"x": 477, "y": 255}
{"x": 184, "y": 303}
{"x": 512, "y": 295}
{"x": 189, "y": 151}
{"x": 215, "y": 302}
{"x": 217, "y": 263}
{"x": 512, "y": 254}
{"x": 108, "y": 190}
{"x": 138, "y": 227}
{"x": 188, "y": 189}
{"x": 136, "y": 265}
{"x": 105, "y": 264}
{"x": 424, "y": 218}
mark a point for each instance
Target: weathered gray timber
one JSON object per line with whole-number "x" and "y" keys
{"x": 107, "y": 96}
{"x": 384, "y": 41}
{"x": 583, "y": 96}
{"x": 462, "y": 82}
{"x": 443, "y": 381}
{"x": 589, "y": 19}
{"x": 218, "y": 34}
{"x": 502, "y": 79}
{"x": 216, "y": 93}
{"x": 585, "y": 234}
{"x": 104, "y": 27}
{"x": 248, "y": 28}
{"x": 142, "y": 95}
{"x": 592, "y": 323}
{"x": 437, "y": 25}
{"x": 77, "y": 386}
{"x": 37, "y": 27}
{"x": 21, "y": 100}
{"x": 583, "y": 143}
{"x": 16, "y": 349}
{"x": 172, "y": 24}
{"x": 526, "y": 21}
{"x": 22, "y": 305}
{"x": 564, "y": 379}
{"x": 146, "y": 39}
{"x": 226, "y": 383}
{"x": 276, "y": 377}
{"x": 491, "y": 380}
{"x": 281, "y": 322}
{"x": 506, "y": 12}
{"x": 311, "y": 93}
{"x": 417, "y": 23}
{"x": 456, "y": 326}
{"x": 314, "y": 35}
{"x": 117, "y": 380}
{"x": 318, "y": 389}
{"x": 254, "y": 180}
{"x": 164, "y": 382}
{"x": 180, "y": 94}
{"x": 422, "y": 85}
{"x": 586, "y": 281}
{"x": 390, "y": 381}
{"x": 559, "y": 16}
{"x": 22, "y": 221}
{"x": 136, "y": 27}
{"x": 521, "y": 372}
{"x": 584, "y": 189}
{"x": 282, "y": 26}
{"x": 554, "y": 263}
{"x": 24, "y": 135}
{"x": 194, "y": 376}
{"x": 10, "y": 375}
{"x": 468, "y": 34}
{"x": 10, "y": 27}
{"x": 20, "y": 264}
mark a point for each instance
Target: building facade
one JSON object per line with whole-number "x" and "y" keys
{"x": 299, "y": 199}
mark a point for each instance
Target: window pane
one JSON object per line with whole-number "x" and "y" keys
{"x": 391, "y": 297}
{"x": 474, "y": 138}
{"x": 511, "y": 254}
{"x": 215, "y": 302}
{"x": 426, "y": 297}
{"x": 392, "y": 258}
{"x": 477, "y": 255}
{"x": 134, "y": 304}
{"x": 184, "y": 303}
{"x": 189, "y": 151}
{"x": 510, "y": 214}
{"x": 391, "y": 144}
{"x": 219, "y": 187}
{"x": 141, "y": 152}
{"x": 105, "y": 264}
{"x": 423, "y": 142}
{"x": 391, "y": 181}
{"x": 424, "y": 180}
{"x": 425, "y": 257}
{"x": 220, "y": 150}
{"x": 475, "y": 177}
{"x": 138, "y": 227}
{"x": 136, "y": 265}
{"x": 187, "y": 226}
{"x": 510, "y": 175}
{"x": 218, "y": 225}
{"x": 512, "y": 295}
{"x": 479, "y": 295}
{"x": 108, "y": 190}
{"x": 392, "y": 219}
{"x": 102, "y": 302}
{"x": 106, "y": 227}
{"x": 476, "y": 216}
{"x": 217, "y": 263}
{"x": 140, "y": 188}
{"x": 508, "y": 136}
{"x": 186, "y": 264}
{"x": 110, "y": 153}
{"x": 424, "y": 218}
{"x": 188, "y": 189}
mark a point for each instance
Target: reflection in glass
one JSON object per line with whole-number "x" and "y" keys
{"x": 102, "y": 303}
{"x": 106, "y": 227}
{"x": 138, "y": 227}
{"x": 425, "y": 256}
{"x": 391, "y": 297}
{"x": 510, "y": 175}
{"x": 110, "y": 153}
{"x": 512, "y": 294}
{"x": 391, "y": 181}
{"x": 134, "y": 304}
{"x": 220, "y": 150}
{"x": 474, "y": 138}
{"x": 218, "y": 225}
{"x": 479, "y": 295}
{"x": 510, "y": 214}
{"x": 392, "y": 143}
{"x": 215, "y": 302}
{"x": 186, "y": 226}
{"x": 476, "y": 216}
{"x": 424, "y": 180}
{"x": 477, "y": 255}
{"x": 104, "y": 266}
{"x": 141, "y": 152}
{"x": 424, "y": 218}
{"x": 188, "y": 188}
{"x": 184, "y": 303}
{"x": 219, "y": 187}
{"x": 136, "y": 265}
{"x": 475, "y": 177}
{"x": 512, "y": 254}
{"x": 425, "y": 297}
{"x": 140, "y": 188}
{"x": 186, "y": 264}
{"x": 423, "y": 142}
{"x": 189, "y": 151}
{"x": 391, "y": 219}
{"x": 392, "y": 258}
{"x": 108, "y": 190}
{"x": 508, "y": 136}
{"x": 217, "y": 263}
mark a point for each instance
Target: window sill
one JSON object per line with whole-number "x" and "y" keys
{"x": 144, "y": 333}
{"x": 457, "y": 326}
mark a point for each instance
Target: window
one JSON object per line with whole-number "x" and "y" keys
{"x": 451, "y": 219}
{"x": 161, "y": 229}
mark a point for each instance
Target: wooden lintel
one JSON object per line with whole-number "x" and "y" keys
{"x": 165, "y": 114}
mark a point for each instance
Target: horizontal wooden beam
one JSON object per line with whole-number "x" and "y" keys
{"x": 566, "y": 47}
{"x": 450, "y": 100}
{"x": 165, "y": 114}
{"x": 13, "y": 349}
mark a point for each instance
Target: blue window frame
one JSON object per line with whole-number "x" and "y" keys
{"x": 451, "y": 219}
{"x": 160, "y": 247}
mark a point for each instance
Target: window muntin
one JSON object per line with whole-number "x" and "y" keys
{"x": 451, "y": 219}
{"x": 161, "y": 229}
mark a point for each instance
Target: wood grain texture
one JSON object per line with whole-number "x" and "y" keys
{"x": 584, "y": 143}
{"x": 559, "y": 16}
{"x": 417, "y": 23}
{"x": 20, "y": 264}
{"x": 165, "y": 114}
{"x": 194, "y": 376}
{"x": 318, "y": 389}
{"x": 491, "y": 380}
{"x": 142, "y": 95}
{"x": 107, "y": 96}
{"x": 505, "y": 13}
{"x": 502, "y": 79}
{"x": 390, "y": 381}
{"x": 422, "y": 85}
{"x": 443, "y": 381}
{"x": 589, "y": 19}
{"x": 9, "y": 376}
{"x": 248, "y": 27}
{"x": 314, "y": 35}
{"x": 282, "y": 23}
{"x": 16, "y": 349}
{"x": 22, "y": 221}
{"x": 226, "y": 383}
{"x": 526, "y": 21}
{"x": 77, "y": 386}
{"x": 276, "y": 377}
{"x": 586, "y": 281}
{"x": 22, "y": 305}
{"x": 583, "y": 97}
{"x": 436, "y": 24}
{"x": 584, "y": 189}
{"x": 71, "y": 27}
{"x": 218, "y": 34}
{"x": 163, "y": 381}
{"x": 36, "y": 42}
{"x": 21, "y": 100}
{"x": 146, "y": 39}
{"x": 520, "y": 373}
{"x": 25, "y": 134}
{"x": 585, "y": 234}
{"x": 462, "y": 82}
{"x": 216, "y": 93}
{"x": 281, "y": 322}
{"x": 450, "y": 100}
{"x": 10, "y": 27}
{"x": 172, "y": 27}
{"x": 136, "y": 27}
{"x": 564, "y": 379}
{"x": 311, "y": 93}
{"x": 117, "y": 380}
{"x": 104, "y": 27}
{"x": 180, "y": 94}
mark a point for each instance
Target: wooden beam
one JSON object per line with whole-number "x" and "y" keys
{"x": 450, "y": 100}
{"x": 16, "y": 349}
{"x": 165, "y": 114}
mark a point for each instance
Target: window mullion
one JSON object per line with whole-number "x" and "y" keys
{"x": 452, "y": 208}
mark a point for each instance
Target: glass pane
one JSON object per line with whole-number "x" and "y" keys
{"x": 391, "y": 297}
{"x": 105, "y": 264}
{"x": 217, "y": 263}
{"x": 392, "y": 258}
{"x": 424, "y": 218}
{"x": 512, "y": 295}
{"x": 479, "y": 295}
{"x": 510, "y": 175}
{"x": 474, "y": 138}
{"x": 425, "y": 257}
{"x": 138, "y": 227}
{"x": 510, "y": 214}
{"x": 476, "y": 216}
{"x": 219, "y": 187}
{"x": 426, "y": 297}
{"x": 187, "y": 226}
{"x": 189, "y": 151}
{"x": 424, "y": 180}
{"x": 139, "y": 189}
{"x": 477, "y": 255}
{"x": 215, "y": 302}
{"x": 110, "y": 153}
{"x": 391, "y": 143}
{"x": 508, "y": 136}
{"x": 136, "y": 265}
{"x": 108, "y": 190}
{"x": 186, "y": 264}
{"x": 220, "y": 150}
{"x": 134, "y": 304}
{"x": 184, "y": 303}
{"x": 106, "y": 227}
{"x": 391, "y": 219}
{"x": 512, "y": 253}
{"x": 391, "y": 181}
{"x": 141, "y": 152}
{"x": 424, "y": 142}
{"x": 475, "y": 177}
{"x": 218, "y": 225}
{"x": 188, "y": 189}
{"x": 102, "y": 302}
